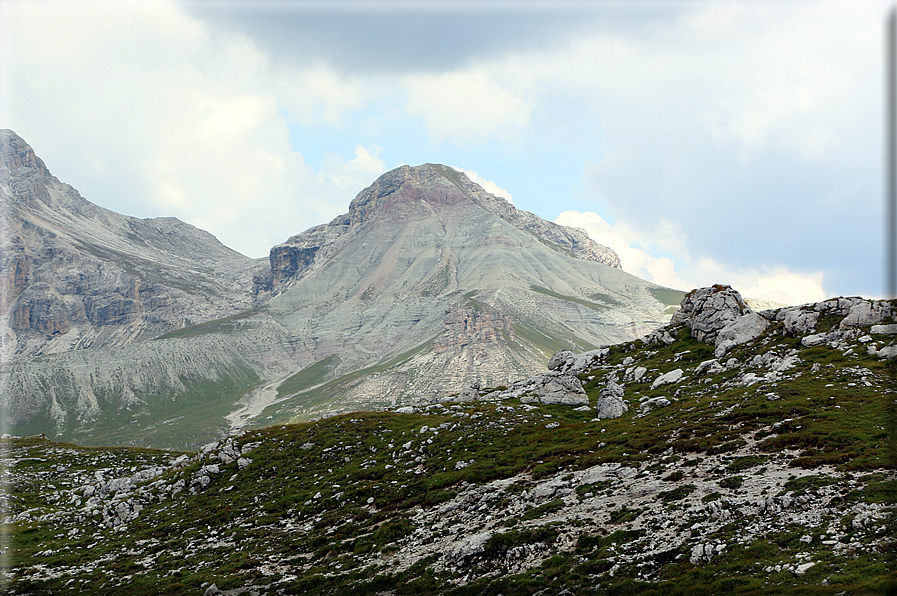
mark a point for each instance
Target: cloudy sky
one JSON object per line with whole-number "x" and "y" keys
{"x": 706, "y": 142}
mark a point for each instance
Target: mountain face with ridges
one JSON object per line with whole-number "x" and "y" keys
{"x": 427, "y": 185}
{"x": 428, "y": 285}
{"x": 76, "y": 276}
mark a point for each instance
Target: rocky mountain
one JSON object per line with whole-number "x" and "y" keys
{"x": 74, "y": 275}
{"x": 729, "y": 451}
{"x": 150, "y": 331}
{"x": 425, "y": 187}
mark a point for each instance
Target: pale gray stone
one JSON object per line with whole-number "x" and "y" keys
{"x": 797, "y": 321}
{"x": 610, "y": 407}
{"x": 882, "y": 330}
{"x": 655, "y": 402}
{"x": 866, "y": 313}
{"x": 745, "y": 328}
{"x": 708, "y": 310}
{"x": 810, "y": 341}
{"x": 470, "y": 393}
{"x": 674, "y": 376}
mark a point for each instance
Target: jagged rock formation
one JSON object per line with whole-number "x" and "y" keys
{"x": 468, "y": 326}
{"x": 76, "y": 276}
{"x": 427, "y": 285}
{"x": 707, "y": 310}
{"x": 771, "y": 471}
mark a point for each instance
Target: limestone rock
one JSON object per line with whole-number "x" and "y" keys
{"x": 866, "y": 313}
{"x": 459, "y": 553}
{"x": 884, "y": 329}
{"x": 560, "y": 359}
{"x": 470, "y": 393}
{"x": 674, "y": 376}
{"x": 555, "y": 389}
{"x": 745, "y": 328}
{"x": 707, "y": 310}
{"x": 708, "y": 367}
{"x": 650, "y": 404}
{"x": 659, "y": 336}
{"x": 809, "y": 341}
{"x": 610, "y": 402}
{"x": 797, "y": 321}
{"x": 566, "y": 361}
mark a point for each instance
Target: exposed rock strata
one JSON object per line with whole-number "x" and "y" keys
{"x": 75, "y": 276}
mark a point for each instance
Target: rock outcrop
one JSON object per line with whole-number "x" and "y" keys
{"x": 610, "y": 403}
{"x": 707, "y": 310}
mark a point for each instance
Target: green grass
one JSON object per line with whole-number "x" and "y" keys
{"x": 309, "y": 376}
{"x": 573, "y": 299}
{"x": 667, "y": 296}
{"x": 223, "y": 325}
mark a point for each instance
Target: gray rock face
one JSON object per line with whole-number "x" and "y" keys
{"x": 707, "y": 310}
{"x": 565, "y": 361}
{"x": 300, "y": 255}
{"x": 470, "y": 393}
{"x": 866, "y": 313}
{"x": 797, "y": 321}
{"x": 77, "y": 276}
{"x": 745, "y": 328}
{"x": 610, "y": 402}
{"x": 884, "y": 329}
{"x": 674, "y": 376}
{"x": 650, "y": 404}
{"x": 560, "y": 389}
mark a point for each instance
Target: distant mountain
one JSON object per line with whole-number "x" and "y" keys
{"x": 427, "y": 285}
{"x": 75, "y": 275}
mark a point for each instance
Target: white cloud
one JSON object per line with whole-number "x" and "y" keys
{"x": 466, "y": 106}
{"x": 488, "y": 185}
{"x": 177, "y": 119}
{"x": 730, "y": 120}
{"x": 638, "y": 250}
{"x": 355, "y": 174}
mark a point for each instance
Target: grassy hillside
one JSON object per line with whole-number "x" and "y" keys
{"x": 775, "y": 475}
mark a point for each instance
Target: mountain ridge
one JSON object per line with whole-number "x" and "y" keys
{"x": 290, "y": 261}
{"x": 77, "y": 275}
{"x": 428, "y": 283}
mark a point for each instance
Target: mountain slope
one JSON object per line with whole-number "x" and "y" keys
{"x": 768, "y": 469}
{"x": 75, "y": 275}
{"x": 427, "y": 285}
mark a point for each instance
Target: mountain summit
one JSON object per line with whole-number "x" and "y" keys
{"x": 429, "y": 207}
{"x": 427, "y": 286}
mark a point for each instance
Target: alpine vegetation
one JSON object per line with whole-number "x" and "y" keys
{"x": 730, "y": 451}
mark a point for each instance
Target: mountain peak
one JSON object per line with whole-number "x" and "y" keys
{"x": 433, "y": 184}
{"x": 410, "y": 196}
{"x": 15, "y": 153}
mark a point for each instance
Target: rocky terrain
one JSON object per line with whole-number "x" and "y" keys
{"x": 149, "y": 332}
{"x": 729, "y": 451}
